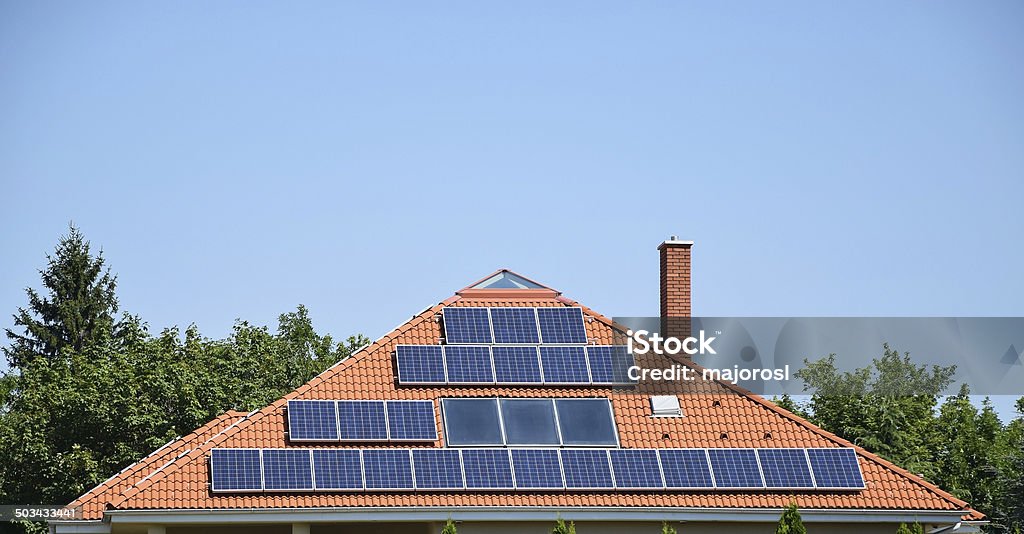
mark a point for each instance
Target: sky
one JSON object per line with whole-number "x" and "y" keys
{"x": 237, "y": 159}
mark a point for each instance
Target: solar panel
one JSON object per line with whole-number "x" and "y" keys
{"x": 236, "y": 470}
{"x": 735, "y": 468}
{"x": 836, "y": 468}
{"x": 337, "y": 469}
{"x": 468, "y": 364}
{"x": 362, "y": 420}
{"x": 287, "y": 470}
{"x": 564, "y": 365}
{"x": 487, "y": 468}
{"x": 514, "y": 325}
{"x": 437, "y": 469}
{"x": 561, "y": 325}
{"x": 412, "y": 421}
{"x": 785, "y": 468}
{"x": 685, "y": 468}
{"x": 586, "y": 422}
{"x": 636, "y": 468}
{"x": 586, "y": 469}
{"x": 537, "y": 469}
{"x": 312, "y": 420}
{"x": 387, "y": 469}
{"x": 610, "y": 364}
{"x": 516, "y": 365}
{"x": 467, "y": 325}
{"x": 420, "y": 364}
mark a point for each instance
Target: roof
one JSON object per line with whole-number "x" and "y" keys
{"x": 177, "y": 477}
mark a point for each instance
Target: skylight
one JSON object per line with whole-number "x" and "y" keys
{"x": 507, "y": 280}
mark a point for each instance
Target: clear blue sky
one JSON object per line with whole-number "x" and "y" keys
{"x": 235, "y": 159}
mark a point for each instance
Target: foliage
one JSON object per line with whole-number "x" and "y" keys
{"x": 666, "y": 528}
{"x": 562, "y": 528}
{"x": 790, "y": 522}
{"x": 916, "y": 528}
{"x": 88, "y": 395}
{"x": 886, "y": 408}
{"x": 449, "y": 527}
{"x": 892, "y": 408}
{"x": 76, "y": 313}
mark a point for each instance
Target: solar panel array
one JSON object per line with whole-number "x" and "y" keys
{"x": 437, "y": 469}
{"x": 361, "y": 420}
{"x": 562, "y": 325}
{"x": 513, "y": 364}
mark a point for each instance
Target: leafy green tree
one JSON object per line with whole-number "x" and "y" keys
{"x": 787, "y": 403}
{"x": 790, "y": 521}
{"x": 965, "y": 450}
{"x": 916, "y": 528}
{"x": 449, "y": 527}
{"x": 562, "y": 528}
{"x": 666, "y": 528}
{"x": 886, "y": 408}
{"x": 72, "y": 414}
{"x": 75, "y": 312}
{"x": 1008, "y": 515}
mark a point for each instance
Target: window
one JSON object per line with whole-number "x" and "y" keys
{"x": 529, "y": 422}
{"x": 518, "y": 422}
{"x": 472, "y": 422}
{"x": 586, "y": 422}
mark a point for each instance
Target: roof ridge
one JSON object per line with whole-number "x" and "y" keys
{"x": 148, "y": 460}
{"x": 141, "y": 484}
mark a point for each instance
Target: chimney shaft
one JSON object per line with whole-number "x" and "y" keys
{"x": 675, "y": 286}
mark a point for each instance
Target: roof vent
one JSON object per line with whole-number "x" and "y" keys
{"x": 665, "y": 406}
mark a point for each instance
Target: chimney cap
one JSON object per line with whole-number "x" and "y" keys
{"x": 674, "y": 241}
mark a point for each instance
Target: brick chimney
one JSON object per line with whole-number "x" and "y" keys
{"x": 675, "y": 287}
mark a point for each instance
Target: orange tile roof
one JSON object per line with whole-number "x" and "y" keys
{"x": 177, "y": 477}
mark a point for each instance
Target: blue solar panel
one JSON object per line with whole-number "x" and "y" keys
{"x": 420, "y": 364}
{"x": 362, "y": 420}
{"x": 487, "y": 468}
{"x": 586, "y": 469}
{"x": 387, "y": 469}
{"x": 236, "y": 470}
{"x": 468, "y": 364}
{"x": 437, "y": 468}
{"x": 610, "y": 364}
{"x": 467, "y": 325}
{"x": 785, "y": 468}
{"x": 337, "y": 469}
{"x": 561, "y": 325}
{"x": 735, "y": 468}
{"x": 287, "y": 469}
{"x": 516, "y": 365}
{"x": 686, "y": 468}
{"x": 412, "y": 421}
{"x": 835, "y": 468}
{"x": 636, "y": 469}
{"x": 312, "y": 420}
{"x": 537, "y": 469}
{"x": 564, "y": 365}
{"x": 514, "y": 325}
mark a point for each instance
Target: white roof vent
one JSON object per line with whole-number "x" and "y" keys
{"x": 665, "y": 406}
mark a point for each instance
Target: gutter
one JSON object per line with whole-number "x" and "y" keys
{"x": 513, "y": 514}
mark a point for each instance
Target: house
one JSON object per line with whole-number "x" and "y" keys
{"x": 503, "y": 408}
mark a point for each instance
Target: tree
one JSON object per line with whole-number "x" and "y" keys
{"x": 76, "y": 311}
{"x": 1009, "y": 478}
{"x": 886, "y": 408}
{"x": 449, "y": 527}
{"x": 916, "y": 528}
{"x": 965, "y": 449}
{"x": 790, "y": 522}
{"x": 562, "y": 528}
{"x": 72, "y": 414}
{"x": 666, "y": 528}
